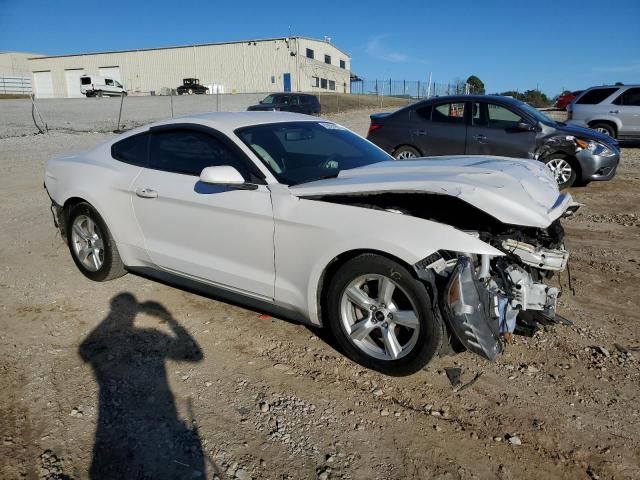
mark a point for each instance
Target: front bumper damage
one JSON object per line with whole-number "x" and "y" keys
{"x": 483, "y": 296}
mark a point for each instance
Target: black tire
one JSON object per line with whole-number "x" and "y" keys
{"x": 111, "y": 266}
{"x": 558, "y": 161}
{"x": 430, "y": 333}
{"x": 405, "y": 152}
{"x": 605, "y": 128}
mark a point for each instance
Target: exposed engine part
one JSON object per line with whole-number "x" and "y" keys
{"x": 526, "y": 294}
{"x": 538, "y": 257}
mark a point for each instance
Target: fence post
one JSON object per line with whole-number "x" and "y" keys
{"x": 389, "y": 87}
{"x": 117, "y": 130}
{"x": 171, "y": 94}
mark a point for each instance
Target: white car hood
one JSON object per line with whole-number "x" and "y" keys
{"x": 518, "y": 192}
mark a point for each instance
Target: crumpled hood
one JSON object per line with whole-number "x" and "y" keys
{"x": 518, "y": 192}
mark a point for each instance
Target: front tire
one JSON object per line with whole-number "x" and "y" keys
{"x": 405, "y": 152}
{"x": 381, "y": 316}
{"x": 562, "y": 168}
{"x": 91, "y": 245}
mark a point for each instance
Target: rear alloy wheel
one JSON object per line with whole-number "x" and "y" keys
{"x": 381, "y": 316}
{"x": 604, "y": 128}
{"x": 190, "y": 91}
{"x": 91, "y": 245}
{"x": 562, "y": 170}
{"x": 406, "y": 152}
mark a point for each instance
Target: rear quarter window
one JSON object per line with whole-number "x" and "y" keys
{"x": 595, "y": 96}
{"x": 132, "y": 150}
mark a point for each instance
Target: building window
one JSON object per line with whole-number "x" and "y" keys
{"x": 343, "y": 64}
{"x": 309, "y": 53}
{"x": 273, "y": 79}
{"x": 327, "y": 59}
{"x": 323, "y": 83}
{"x": 332, "y": 85}
{"x": 315, "y": 82}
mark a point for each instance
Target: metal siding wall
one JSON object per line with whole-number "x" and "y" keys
{"x": 237, "y": 66}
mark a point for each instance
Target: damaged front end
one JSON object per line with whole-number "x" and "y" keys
{"x": 481, "y": 296}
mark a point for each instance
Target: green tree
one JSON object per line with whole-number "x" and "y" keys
{"x": 475, "y": 85}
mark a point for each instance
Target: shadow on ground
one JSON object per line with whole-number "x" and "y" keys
{"x": 139, "y": 434}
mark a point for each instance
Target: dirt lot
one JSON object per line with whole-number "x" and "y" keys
{"x": 197, "y": 388}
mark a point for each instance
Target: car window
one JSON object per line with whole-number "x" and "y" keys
{"x": 294, "y": 100}
{"x": 630, "y": 97}
{"x": 595, "y": 96}
{"x": 448, "y": 113}
{"x": 108, "y": 81}
{"x": 85, "y": 80}
{"x": 424, "y": 112}
{"x": 188, "y": 152}
{"x": 132, "y": 150}
{"x": 494, "y": 116}
{"x": 300, "y": 152}
{"x": 269, "y": 99}
{"x": 284, "y": 99}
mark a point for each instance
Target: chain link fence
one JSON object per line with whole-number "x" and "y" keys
{"x": 414, "y": 89}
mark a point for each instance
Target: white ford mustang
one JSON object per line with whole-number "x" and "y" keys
{"x": 305, "y": 219}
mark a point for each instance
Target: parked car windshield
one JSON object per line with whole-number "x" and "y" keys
{"x": 537, "y": 114}
{"x": 268, "y": 99}
{"x": 300, "y": 152}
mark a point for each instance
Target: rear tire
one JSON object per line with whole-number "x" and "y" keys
{"x": 605, "y": 128}
{"x": 91, "y": 245}
{"x": 562, "y": 168}
{"x": 405, "y": 152}
{"x": 381, "y": 316}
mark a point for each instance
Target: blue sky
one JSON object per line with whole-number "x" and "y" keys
{"x": 508, "y": 44}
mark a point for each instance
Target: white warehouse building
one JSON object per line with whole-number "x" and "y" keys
{"x": 269, "y": 65}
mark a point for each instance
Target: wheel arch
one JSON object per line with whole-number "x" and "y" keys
{"x": 398, "y": 147}
{"x": 572, "y": 159}
{"x": 332, "y": 267}
{"x": 608, "y": 121}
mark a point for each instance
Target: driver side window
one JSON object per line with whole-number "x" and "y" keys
{"x": 188, "y": 152}
{"x": 496, "y": 116}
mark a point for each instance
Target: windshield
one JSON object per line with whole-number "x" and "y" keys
{"x": 268, "y": 99}
{"x": 537, "y": 114}
{"x": 300, "y": 152}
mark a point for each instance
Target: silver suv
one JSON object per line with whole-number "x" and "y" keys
{"x": 612, "y": 110}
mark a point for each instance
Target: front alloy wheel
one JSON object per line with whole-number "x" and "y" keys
{"x": 562, "y": 170}
{"x": 377, "y": 325}
{"x": 381, "y": 315}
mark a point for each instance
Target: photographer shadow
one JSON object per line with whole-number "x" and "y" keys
{"x": 139, "y": 434}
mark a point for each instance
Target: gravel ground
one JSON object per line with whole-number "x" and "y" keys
{"x": 203, "y": 389}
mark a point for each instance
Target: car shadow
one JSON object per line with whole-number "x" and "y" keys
{"x": 139, "y": 434}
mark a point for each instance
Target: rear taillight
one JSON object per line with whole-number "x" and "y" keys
{"x": 373, "y": 127}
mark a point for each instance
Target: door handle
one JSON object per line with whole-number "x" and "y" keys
{"x": 479, "y": 137}
{"x": 421, "y": 132}
{"x": 146, "y": 193}
{"x": 614, "y": 111}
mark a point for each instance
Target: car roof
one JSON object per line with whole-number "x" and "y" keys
{"x": 471, "y": 98}
{"x": 615, "y": 86}
{"x": 232, "y": 120}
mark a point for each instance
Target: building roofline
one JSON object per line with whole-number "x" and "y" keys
{"x": 185, "y": 46}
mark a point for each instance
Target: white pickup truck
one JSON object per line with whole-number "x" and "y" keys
{"x": 97, "y": 86}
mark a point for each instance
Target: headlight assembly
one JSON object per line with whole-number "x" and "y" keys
{"x": 596, "y": 148}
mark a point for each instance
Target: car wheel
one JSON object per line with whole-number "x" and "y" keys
{"x": 604, "y": 128}
{"x": 562, "y": 169}
{"x": 99, "y": 93}
{"x": 406, "y": 152}
{"x": 91, "y": 245}
{"x": 381, "y": 316}
{"x": 190, "y": 91}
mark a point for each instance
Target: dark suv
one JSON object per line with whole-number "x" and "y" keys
{"x": 495, "y": 125}
{"x": 289, "y": 102}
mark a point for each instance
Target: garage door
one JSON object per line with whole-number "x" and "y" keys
{"x": 72, "y": 78}
{"x": 110, "y": 72}
{"x": 43, "y": 84}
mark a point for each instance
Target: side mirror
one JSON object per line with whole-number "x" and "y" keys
{"x": 525, "y": 127}
{"x": 261, "y": 102}
{"x": 221, "y": 175}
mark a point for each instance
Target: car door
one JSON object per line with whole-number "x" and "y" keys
{"x": 495, "y": 130}
{"x": 439, "y": 129}
{"x": 627, "y": 108}
{"x": 216, "y": 233}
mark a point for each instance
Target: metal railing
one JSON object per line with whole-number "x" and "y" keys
{"x": 15, "y": 85}
{"x": 408, "y": 88}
